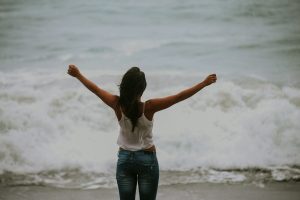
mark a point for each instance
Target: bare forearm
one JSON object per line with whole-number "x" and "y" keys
{"x": 106, "y": 97}
{"x": 87, "y": 83}
{"x": 190, "y": 92}
{"x": 163, "y": 103}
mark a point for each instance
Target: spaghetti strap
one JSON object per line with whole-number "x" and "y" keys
{"x": 144, "y": 107}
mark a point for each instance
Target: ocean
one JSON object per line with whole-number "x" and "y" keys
{"x": 243, "y": 129}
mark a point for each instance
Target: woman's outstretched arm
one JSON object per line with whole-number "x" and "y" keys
{"x": 155, "y": 105}
{"x": 108, "y": 98}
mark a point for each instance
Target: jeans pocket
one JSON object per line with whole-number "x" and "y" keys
{"x": 123, "y": 157}
{"x": 148, "y": 159}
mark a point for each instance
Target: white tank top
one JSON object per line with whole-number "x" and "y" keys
{"x": 141, "y": 138}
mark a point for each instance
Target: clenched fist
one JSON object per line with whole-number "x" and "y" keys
{"x": 73, "y": 71}
{"x": 210, "y": 79}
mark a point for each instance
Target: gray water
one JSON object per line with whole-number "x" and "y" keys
{"x": 257, "y": 37}
{"x": 55, "y": 132}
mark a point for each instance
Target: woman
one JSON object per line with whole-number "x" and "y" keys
{"x": 137, "y": 162}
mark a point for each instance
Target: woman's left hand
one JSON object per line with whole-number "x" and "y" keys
{"x": 73, "y": 71}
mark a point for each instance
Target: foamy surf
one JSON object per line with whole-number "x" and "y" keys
{"x": 55, "y": 132}
{"x": 76, "y": 179}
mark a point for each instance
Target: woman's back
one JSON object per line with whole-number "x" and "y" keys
{"x": 140, "y": 138}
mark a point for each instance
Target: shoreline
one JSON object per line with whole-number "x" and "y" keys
{"x": 195, "y": 191}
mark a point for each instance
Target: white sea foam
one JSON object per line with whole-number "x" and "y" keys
{"x": 51, "y": 122}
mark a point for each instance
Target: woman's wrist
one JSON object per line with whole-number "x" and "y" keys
{"x": 79, "y": 75}
{"x": 204, "y": 83}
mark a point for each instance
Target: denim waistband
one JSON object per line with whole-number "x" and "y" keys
{"x": 136, "y": 152}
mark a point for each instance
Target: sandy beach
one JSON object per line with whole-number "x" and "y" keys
{"x": 199, "y": 191}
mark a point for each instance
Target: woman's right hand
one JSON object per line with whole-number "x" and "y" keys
{"x": 73, "y": 71}
{"x": 212, "y": 78}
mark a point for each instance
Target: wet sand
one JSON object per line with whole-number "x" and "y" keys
{"x": 199, "y": 191}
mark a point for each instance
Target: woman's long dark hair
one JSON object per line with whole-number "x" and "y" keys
{"x": 132, "y": 86}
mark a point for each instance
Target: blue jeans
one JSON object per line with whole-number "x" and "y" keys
{"x": 137, "y": 167}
